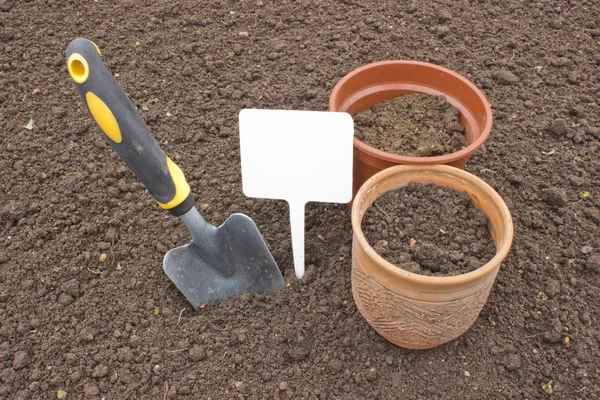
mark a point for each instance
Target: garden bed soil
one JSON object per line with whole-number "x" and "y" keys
{"x": 429, "y": 230}
{"x": 115, "y": 327}
{"x": 412, "y": 125}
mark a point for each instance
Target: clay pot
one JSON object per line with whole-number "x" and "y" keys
{"x": 375, "y": 83}
{"x": 418, "y": 311}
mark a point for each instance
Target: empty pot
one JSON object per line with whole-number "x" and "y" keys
{"x": 417, "y": 311}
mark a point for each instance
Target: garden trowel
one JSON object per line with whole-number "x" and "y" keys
{"x": 220, "y": 262}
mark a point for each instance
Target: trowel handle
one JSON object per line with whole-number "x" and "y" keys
{"x": 125, "y": 130}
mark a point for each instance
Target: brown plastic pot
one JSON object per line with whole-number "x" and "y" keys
{"x": 418, "y": 311}
{"x": 375, "y": 83}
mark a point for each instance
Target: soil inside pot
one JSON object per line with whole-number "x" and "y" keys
{"x": 414, "y": 125}
{"x": 429, "y": 230}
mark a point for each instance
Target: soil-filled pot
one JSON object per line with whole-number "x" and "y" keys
{"x": 375, "y": 83}
{"x": 417, "y": 311}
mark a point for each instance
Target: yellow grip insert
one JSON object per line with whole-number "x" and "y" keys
{"x": 182, "y": 188}
{"x": 104, "y": 117}
{"x": 78, "y": 68}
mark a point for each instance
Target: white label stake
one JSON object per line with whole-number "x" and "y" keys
{"x": 297, "y": 156}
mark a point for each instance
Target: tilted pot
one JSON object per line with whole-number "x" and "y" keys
{"x": 418, "y": 311}
{"x": 375, "y": 83}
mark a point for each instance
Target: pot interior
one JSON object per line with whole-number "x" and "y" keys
{"x": 381, "y": 81}
{"x": 389, "y": 92}
{"x": 482, "y": 198}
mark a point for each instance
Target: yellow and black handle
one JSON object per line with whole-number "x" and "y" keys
{"x": 125, "y": 130}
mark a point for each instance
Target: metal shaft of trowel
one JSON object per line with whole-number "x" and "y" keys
{"x": 204, "y": 240}
{"x": 197, "y": 225}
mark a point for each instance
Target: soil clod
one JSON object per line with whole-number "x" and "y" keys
{"x": 505, "y": 77}
{"x": 100, "y": 371}
{"x": 557, "y": 127}
{"x": 593, "y": 263}
{"x": 555, "y": 197}
{"x": 90, "y": 391}
{"x": 197, "y": 354}
{"x": 20, "y": 360}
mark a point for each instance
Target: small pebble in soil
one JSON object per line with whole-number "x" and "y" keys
{"x": 372, "y": 374}
{"x": 413, "y": 124}
{"x": 87, "y": 334}
{"x": 429, "y": 230}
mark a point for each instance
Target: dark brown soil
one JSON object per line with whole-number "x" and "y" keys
{"x": 70, "y": 322}
{"x": 429, "y": 230}
{"x": 412, "y": 125}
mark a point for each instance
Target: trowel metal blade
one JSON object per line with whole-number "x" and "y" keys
{"x": 252, "y": 266}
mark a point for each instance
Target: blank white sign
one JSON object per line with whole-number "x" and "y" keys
{"x": 298, "y": 156}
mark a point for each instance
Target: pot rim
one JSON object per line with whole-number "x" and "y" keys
{"x": 403, "y": 159}
{"x": 493, "y": 263}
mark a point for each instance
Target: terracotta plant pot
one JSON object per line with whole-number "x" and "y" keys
{"x": 375, "y": 83}
{"x": 418, "y": 311}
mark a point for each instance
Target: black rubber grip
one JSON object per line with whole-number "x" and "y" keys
{"x": 184, "y": 207}
{"x": 124, "y": 128}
